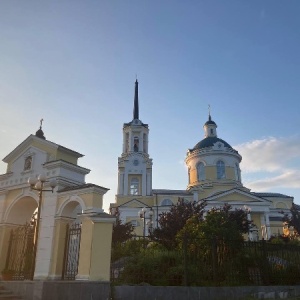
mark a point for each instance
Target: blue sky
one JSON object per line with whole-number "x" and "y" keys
{"x": 74, "y": 64}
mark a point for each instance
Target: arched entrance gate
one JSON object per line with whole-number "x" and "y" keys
{"x": 72, "y": 240}
{"x": 21, "y": 219}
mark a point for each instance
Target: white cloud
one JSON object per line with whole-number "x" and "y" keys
{"x": 269, "y": 154}
{"x": 288, "y": 179}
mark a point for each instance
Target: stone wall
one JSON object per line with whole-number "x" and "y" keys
{"x": 204, "y": 293}
{"x": 59, "y": 290}
{"x": 92, "y": 290}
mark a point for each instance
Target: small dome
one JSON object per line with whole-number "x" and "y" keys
{"x": 210, "y": 122}
{"x": 209, "y": 142}
{"x": 40, "y": 134}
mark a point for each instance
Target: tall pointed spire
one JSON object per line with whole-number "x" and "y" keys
{"x": 136, "y": 101}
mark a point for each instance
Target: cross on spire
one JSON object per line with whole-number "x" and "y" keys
{"x": 209, "y": 117}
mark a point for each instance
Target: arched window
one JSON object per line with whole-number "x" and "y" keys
{"x": 220, "y": 169}
{"x": 136, "y": 144}
{"x": 134, "y": 186}
{"x": 28, "y": 163}
{"x": 166, "y": 202}
{"x": 237, "y": 172}
{"x": 200, "y": 171}
{"x": 127, "y": 143}
{"x": 145, "y": 143}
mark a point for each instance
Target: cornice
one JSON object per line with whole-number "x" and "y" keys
{"x": 6, "y": 176}
{"x": 209, "y": 151}
{"x": 66, "y": 165}
{"x": 84, "y": 190}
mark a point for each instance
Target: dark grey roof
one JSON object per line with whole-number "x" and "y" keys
{"x": 297, "y": 206}
{"x": 210, "y": 122}
{"x": 81, "y": 186}
{"x": 271, "y": 195}
{"x": 209, "y": 142}
{"x": 238, "y": 189}
{"x": 171, "y": 192}
{"x": 40, "y": 134}
{"x": 134, "y": 123}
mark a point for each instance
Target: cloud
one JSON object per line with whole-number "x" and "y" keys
{"x": 269, "y": 154}
{"x": 288, "y": 179}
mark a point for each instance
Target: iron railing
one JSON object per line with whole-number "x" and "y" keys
{"x": 206, "y": 263}
{"x": 20, "y": 255}
{"x": 71, "y": 255}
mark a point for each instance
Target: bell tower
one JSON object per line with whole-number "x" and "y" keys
{"x": 135, "y": 165}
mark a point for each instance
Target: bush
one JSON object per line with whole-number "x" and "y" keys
{"x": 154, "y": 267}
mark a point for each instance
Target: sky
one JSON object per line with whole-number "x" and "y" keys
{"x": 74, "y": 64}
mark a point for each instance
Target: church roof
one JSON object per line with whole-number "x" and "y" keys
{"x": 81, "y": 186}
{"x": 135, "y": 122}
{"x": 270, "y": 195}
{"x": 211, "y": 137}
{"x": 209, "y": 142}
{"x": 210, "y": 121}
{"x": 171, "y": 192}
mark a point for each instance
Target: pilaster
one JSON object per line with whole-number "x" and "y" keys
{"x": 95, "y": 247}
{"x": 45, "y": 242}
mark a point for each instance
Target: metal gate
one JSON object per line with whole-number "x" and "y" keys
{"x": 20, "y": 255}
{"x": 71, "y": 255}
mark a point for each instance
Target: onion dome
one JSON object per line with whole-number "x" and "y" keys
{"x": 40, "y": 132}
{"x": 210, "y": 121}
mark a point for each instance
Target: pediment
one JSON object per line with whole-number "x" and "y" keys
{"x": 236, "y": 195}
{"x": 26, "y": 145}
{"x": 53, "y": 150}
{"x": 134, "y": 203}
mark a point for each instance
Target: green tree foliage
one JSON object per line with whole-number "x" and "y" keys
{"x": 239, "y": 217}
{"x": 121, "y": 232}
{"x": 217, "y": 225}
{"x": 293, "y": 219}
{"x": 172, "y": 221}
{"x": 220, "y": 224}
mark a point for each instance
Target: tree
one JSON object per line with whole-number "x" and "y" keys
{"x": 293, "y": 219}
{"x": 219, "y": 224}
{"x": 239, "y": 217}
{"x": 172, "y": 221}
{"x": 121, "y": 232}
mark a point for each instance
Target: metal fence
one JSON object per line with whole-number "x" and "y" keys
{"x": 71, "y": 254}
{"x": 20, "y": 255}
{"x": 206, "y": 263}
